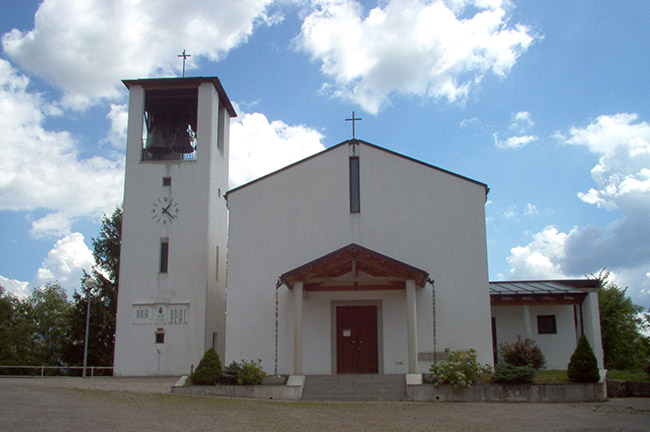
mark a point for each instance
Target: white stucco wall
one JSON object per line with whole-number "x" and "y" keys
{"x": 193, "y": 238}
{"x": 411, "y": 212}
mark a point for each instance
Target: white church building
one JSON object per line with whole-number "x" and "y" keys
{"x": 354, "y": 260}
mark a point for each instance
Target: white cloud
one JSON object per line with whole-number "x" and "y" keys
{"x": 118, "y": 116}
{"x": 42, "y": 169}
{"x": 258, "y": 147}
{"x": 15, "y": 287}
{"x": 622, "y": 175}
{"x": 622, "y": 178}
{"x": 531, "y": 209}
{"x": 411, "y": 47}
{"x": 84, "y": 47}
{"x": 65, "y": 262}
{"x": 540, "y": 259}
{"x": 521, "y": 121}
{"x": 513, "y": 142}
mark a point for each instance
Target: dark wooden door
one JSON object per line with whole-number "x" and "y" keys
{"x": 356, "y": 339}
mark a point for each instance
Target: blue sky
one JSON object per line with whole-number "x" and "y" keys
{"x": 547, "y": 103}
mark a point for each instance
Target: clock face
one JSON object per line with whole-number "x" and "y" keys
{"x": 165, "y": 210}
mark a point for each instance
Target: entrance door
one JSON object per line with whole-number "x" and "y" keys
{"x": 356, "y": 339}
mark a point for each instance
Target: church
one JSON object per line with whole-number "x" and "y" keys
{"x": 354, "y": 260}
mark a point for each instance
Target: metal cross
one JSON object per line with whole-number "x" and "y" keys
{"x": 185, "y": 56}
{"x": 353, "y": 119}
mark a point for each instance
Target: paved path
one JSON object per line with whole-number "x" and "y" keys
{"x": 129, "y": 404}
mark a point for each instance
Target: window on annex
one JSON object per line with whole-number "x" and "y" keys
{"x": 355, "y": 190}
{"x": 546, "y": 324}
{"x": 169, "y": 124}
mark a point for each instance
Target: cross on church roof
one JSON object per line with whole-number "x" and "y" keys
{"x": 185, "y": 56}
{"x": 353, "y": 119}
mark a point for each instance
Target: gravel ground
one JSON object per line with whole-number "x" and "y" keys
{"x": 133, "y": 404}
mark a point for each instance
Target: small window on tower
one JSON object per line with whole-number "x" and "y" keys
{"x": 167, "y": 181}
{"x": 160, "y": 337}
{"x": 164, "y": 255}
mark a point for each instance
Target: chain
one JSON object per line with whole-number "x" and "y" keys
{"x": 433, "y": 312}
{"x": 277, "y": 303}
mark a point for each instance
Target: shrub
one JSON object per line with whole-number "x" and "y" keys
{"x": 522, "y": 353}
{"x": 510, "y": 374}
{"x": 231, "y": 373}
{"x": 250, "y": 373}
{"x": 460, "y": 369}
{"x": 208, "y": 371}
{"x": 583, "y": 366}
{"x": 647, "y": 368}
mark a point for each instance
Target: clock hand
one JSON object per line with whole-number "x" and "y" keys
{"x": 168, "y": 214}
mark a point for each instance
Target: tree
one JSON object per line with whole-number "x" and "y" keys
{"x": 583, "y": 366}
{"x": 100, "y": 286}
{"x": 624, "y": 346}
{"x": 17, "y": 330}
{"x": 49, "y": 312}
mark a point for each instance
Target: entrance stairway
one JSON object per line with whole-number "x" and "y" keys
{"x": 355, "y": 388}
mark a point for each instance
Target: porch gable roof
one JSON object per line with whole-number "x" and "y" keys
{"x": 354, "y": 267}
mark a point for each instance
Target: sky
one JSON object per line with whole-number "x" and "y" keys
{"x": 545, "y": 102}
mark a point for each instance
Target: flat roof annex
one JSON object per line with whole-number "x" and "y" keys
{"x": 185, "y": 82}
{"x": 562, "y": 291}
{"x": 358, "y": 141}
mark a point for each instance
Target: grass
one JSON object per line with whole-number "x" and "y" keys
{"x": 551, "y": 377}
{"x": 628, "y": 375}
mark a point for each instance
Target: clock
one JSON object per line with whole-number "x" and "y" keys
{"x": 165, "y": 210}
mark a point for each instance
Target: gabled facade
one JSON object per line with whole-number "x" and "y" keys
{"x": 356, "y": 231}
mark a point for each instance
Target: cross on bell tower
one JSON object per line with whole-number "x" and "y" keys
{"x": 185, "y": 56}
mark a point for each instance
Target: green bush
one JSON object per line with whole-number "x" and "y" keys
{"x": 231, "y": 373}
{"x": 244, "y": 373}
{"x": 250, "y": 373}
{"x": 522, "y": 353}
{"x": 208, "y": 371}
{"x": 647, "y": 368}
{"x": 511, "y": 374}
{"x": 460, "y": 369}
{"x": 583, "y": 366}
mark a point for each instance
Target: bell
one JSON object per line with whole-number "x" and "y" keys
{"x": 182, "y": 142}
{"x": 157, "y": 143}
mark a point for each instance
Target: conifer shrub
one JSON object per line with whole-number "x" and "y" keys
{"x": 522, "y": 353}
{"x": 507, "y": 373}
{"x": 231, "y": 373}
{"x": 583, "y": 366}
{"x": 208, "y": 372}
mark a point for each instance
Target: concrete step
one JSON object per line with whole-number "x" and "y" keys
{"x": 367, "y": 387}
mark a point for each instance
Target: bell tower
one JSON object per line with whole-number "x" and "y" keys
{"x": 171, "y": 300}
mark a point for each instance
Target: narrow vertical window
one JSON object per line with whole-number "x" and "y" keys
{"x": 217, "y": 265}
{"x": 355, "y": 193}
{"x": 164, "y": 255}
